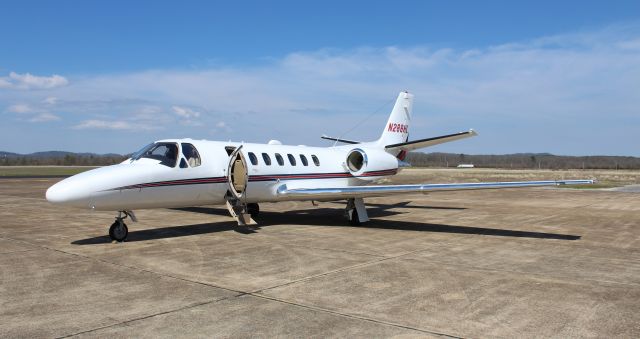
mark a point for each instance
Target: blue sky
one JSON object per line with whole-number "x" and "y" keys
{"x": 540, "y": 76}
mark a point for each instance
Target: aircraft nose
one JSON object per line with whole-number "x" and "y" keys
{"x": 57, "y": 193}
{"x": 68, "y": 192}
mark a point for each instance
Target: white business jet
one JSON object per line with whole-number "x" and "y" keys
{"x": 176, "y": 173}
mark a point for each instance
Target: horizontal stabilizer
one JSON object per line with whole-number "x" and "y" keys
{"x": 415, "y": 144}
{"x": 340, "y": 140}
{"x": 384, "y": 190}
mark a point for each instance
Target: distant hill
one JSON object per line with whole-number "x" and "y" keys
{"x": 8, "y": 154}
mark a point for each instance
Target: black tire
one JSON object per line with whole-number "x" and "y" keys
{"x": 355, "y": 220}
{"x": 117, "y": 232}
{"x": 253, "y": 209}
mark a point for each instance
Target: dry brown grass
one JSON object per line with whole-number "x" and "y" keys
{"x": 605, "y": 178}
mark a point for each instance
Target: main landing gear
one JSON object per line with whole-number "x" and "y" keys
{"x": 119, "y": 230}
{"x": 253, "y": 209}
{"x": 356, "y": 212}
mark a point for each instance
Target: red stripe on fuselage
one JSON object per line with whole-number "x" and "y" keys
{"x": 216, "y": 180}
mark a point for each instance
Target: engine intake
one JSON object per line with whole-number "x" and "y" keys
{"x": 356, "y": 160}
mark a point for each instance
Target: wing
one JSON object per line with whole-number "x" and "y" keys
{"x": 415, "y": 144}
{"x": 384, "y": 190}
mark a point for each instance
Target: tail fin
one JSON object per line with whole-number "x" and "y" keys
{"x": 397, "y": 128}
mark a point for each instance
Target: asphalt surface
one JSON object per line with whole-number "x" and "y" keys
{"x": 499, "y": 263}
{"x": 627, "y": 188}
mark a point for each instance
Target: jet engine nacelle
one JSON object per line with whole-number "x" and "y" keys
{"x": 359, "y": 161}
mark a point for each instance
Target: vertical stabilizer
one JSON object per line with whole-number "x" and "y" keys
{"x": 397, "y": 128}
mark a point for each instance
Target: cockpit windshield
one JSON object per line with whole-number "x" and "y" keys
{"x": 165, "y": 152}
{"x": 140, "y": 152}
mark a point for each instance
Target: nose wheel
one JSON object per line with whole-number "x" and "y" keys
{"x": 119, "y": 230}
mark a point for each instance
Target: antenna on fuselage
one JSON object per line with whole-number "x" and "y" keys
{"x": 363, "y": 121}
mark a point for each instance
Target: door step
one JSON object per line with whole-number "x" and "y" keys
{"x": 238, "y": 212}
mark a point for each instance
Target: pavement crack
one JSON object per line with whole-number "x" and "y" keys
{"x": 130, "y": 267}
{"x": 337, "y": 250}
{"x": 353, "y": 316}
{"x": 145, "y": 317}
{"x": 342, "y": 269}
{"x": 21, "y": 251}
{"x": 534, "y": 274}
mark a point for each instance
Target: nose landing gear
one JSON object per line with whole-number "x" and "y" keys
{"x": 119, "y": 230}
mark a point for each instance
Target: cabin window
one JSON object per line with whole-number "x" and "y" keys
{"x": 279, "y": 159}
{"x": 266, "y": 158}
{"x": 292, "y": 160}
{"x": 183, "y": 163}
{"x": 315, "y": 160}
{"x": 304, "y": 160}
{"x": 191, "y": 154}
{"x": 230, "y": 149}
{"x": 165, "y": 152}
{"x": 253, "y": 158}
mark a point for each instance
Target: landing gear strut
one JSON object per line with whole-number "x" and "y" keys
{"x": 356, "y": 212}
{"x": 119, "y": 230}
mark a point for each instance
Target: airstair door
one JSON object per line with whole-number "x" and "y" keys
{"x": 237, "y": 174}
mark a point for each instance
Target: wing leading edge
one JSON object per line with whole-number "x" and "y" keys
{"x": 384, "y": 190}
{"x": 415, "y": 144}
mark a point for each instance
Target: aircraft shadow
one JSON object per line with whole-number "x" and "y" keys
{"x": 405, "y": 204}
{"x": 371, "y": 208}
{"x": 317, "y": 217}
{"x": 203, "y": 210}
{"x": 165, "y": 233}
{"x": 331, "y": 218}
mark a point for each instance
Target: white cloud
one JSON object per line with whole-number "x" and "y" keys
{"x": 136, "y": 122}
{"x": 50, "y": 100}
{"x": 28, "y": 81}
{"x": 20, "y": 108}
{"x": 572, "y": 93}
{"x": 32, "y": 114}
{"x": 44, "y": 117}
{"x": 4, "y": 83}
{"x": 185, "y": 112}
{"x": 222, "y": 127}
{"x": 103, "y": 124}
{"x": 187, "y": 116}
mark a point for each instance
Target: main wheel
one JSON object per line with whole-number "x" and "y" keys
{"x": 355, "y": 220}
{"x": 253, "y": 209}
{"x": 118, "y": 231}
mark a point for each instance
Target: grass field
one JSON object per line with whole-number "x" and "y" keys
{"x": 44, "y": 171}
{"x": 605, "y": 178}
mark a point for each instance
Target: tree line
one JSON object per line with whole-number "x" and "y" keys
{"x": 66, "y": 160}
{"x": 417, "y": 159}
{"x": 523, "y": 161}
